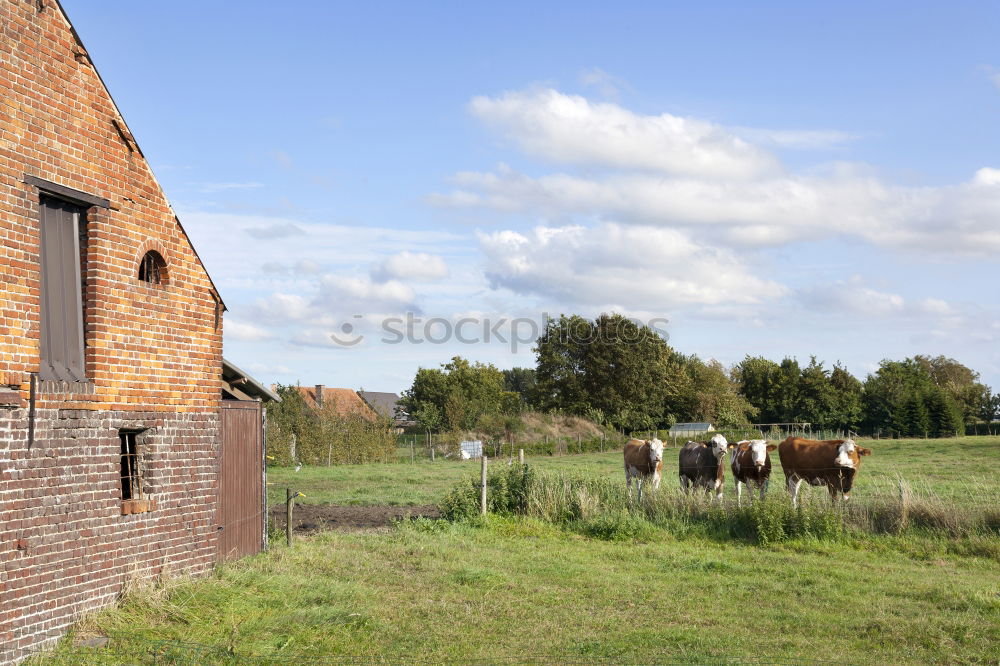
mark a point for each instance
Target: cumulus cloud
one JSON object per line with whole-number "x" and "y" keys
{"x": 674, "y": 172}
{"x": 771, "y": 211}
{"x": 408, "y": 265}
{"x": 618, "y": 266}
{"x": 853, "y": 297}
{"x": 572, "y": 129}
{"x": 240, "y": 330}
{"x": 350, "y": 293}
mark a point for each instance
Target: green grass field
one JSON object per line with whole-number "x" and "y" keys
{"x": 523, "y": 590}
{"x": 957, "y": 470}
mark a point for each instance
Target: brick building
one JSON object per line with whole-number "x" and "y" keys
{"x": 110, "y": 348}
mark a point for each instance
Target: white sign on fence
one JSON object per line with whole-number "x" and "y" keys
{"x": 471, "y": 449}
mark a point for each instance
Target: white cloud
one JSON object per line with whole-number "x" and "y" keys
{"x": 239, "y": 330}
{"x": 623, "y": 267}
{"x": 852, "y": 297}
{"x": 607, "y": 85}
{"x": 571, "y": 129}
{"x": 798, "y": 139}
{"x": 408, "y": 265}
{"x": 279, "y": 230}
{"x": 771, "y": 211}
{"x": 359, "y": 294}
{"x": 670, "y": 171}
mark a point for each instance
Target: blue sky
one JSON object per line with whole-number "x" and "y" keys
{"x": 780, "y": 179}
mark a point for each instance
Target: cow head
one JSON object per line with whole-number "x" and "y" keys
{"x": 758, "y": 449}
{"x": 655, "y": 451}
{"x": 719, "y": 445}
{"x": 849, "y": 455}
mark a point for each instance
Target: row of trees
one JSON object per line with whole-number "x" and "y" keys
{"x": 624, "y": 375}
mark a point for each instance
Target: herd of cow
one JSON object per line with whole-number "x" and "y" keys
{"x": 833, "y": 463}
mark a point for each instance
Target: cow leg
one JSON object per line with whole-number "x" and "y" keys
{"x": 638, "y": 484}
{"x": 717, "y": 485}
{"x": 684, "y": 483}
{"x": 628, "y": 482}
{"x": 763, "y": 489}
{"x": 656, "y": 480}
{"x": 739, "y": 493}
{"x": 793, "y": 490}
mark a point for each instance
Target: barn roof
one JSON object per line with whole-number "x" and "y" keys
{"x": 239, "y": 385}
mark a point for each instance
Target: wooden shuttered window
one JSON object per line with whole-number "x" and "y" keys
{"x": 61, "y": 335}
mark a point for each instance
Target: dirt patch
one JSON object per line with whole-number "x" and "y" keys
{"x": 318, "y": 517}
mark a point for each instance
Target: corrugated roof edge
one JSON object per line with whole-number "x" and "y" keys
{"x": 233, "y": 369}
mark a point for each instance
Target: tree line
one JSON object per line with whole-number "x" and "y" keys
{"x": 626, "y": 376}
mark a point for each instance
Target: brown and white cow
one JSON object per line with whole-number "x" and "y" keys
{"x": 701, "y": 465}
{"x": 643, "y": 460}
{"x": 833, "y": 463}
{"x": 751, "y": 465}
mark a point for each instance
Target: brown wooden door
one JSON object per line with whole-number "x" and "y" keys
{"x": 241, "y": 516}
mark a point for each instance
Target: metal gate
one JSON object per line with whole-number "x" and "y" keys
{"x": 241, "y": 516}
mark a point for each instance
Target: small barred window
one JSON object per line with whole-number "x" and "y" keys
{"x": 153, "y": 268}
{"x": 130, "y": 471}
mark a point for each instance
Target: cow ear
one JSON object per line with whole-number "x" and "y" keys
{"x": 864, "y": 452}
{"x": 772, "y": 447}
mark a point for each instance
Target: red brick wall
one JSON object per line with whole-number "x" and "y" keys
{"x": 153, "y": 353}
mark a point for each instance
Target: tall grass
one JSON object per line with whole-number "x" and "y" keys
{"x": 601, "y": 507}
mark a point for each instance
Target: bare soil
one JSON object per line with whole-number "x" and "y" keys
{"x": 318, "y": 517}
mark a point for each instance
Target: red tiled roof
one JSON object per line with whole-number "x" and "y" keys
{"x": 345, "y": 401}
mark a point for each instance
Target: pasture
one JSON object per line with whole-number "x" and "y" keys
{"x": 959, "y": 471}
{"x": 519, "y": 589}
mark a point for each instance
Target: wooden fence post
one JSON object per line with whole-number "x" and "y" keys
{"x": 289, "y": 501}
{"x": 412, "y": 455}
{"x": 520, "y": 456}
{"x": 482, "y": 487}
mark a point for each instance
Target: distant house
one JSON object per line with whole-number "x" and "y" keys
{"x": 690, "y": 429}
{"x": 387, "y": 406}
{"x": 345, "y": 402}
